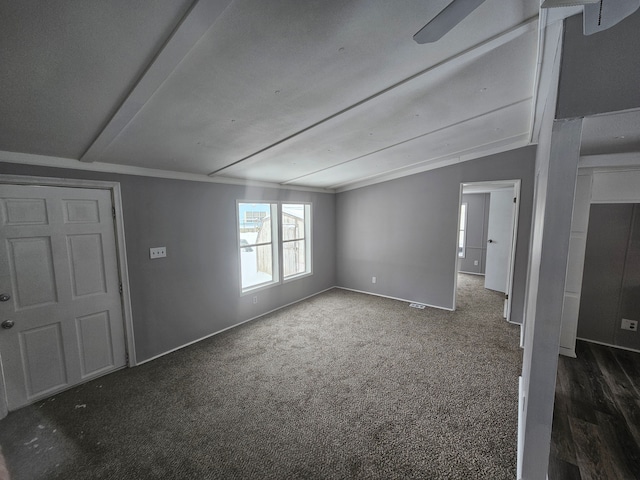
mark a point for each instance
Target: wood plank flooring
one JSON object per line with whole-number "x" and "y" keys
{"x": 596, "y": 418}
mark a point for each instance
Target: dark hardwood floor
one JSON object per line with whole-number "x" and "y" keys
{"x": 596, "y": 418}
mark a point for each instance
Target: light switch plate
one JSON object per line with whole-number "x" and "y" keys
{"x": 629, "y": 325}
{"x": 157, "y": 252}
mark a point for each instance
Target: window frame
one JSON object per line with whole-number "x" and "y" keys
{"x": 277, "y": 244}
{"x": 306, "y": 238}
{"x": 463, "y": 229}
{"x": 275, "y": 276}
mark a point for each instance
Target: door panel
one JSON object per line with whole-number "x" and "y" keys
{"x": 87, "y": 264}
{"x": 43, "y": 359}
{"x": 58, "y": 263}
{"x": 31, "y": 270}
{"x": 500, "y": 238}
{"x": 94, "y": 343}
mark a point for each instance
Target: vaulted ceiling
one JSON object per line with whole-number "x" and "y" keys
{"x": 316, "y": 93}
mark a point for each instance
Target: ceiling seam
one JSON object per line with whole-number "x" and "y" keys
{"x": 490, "y": 148}
{"x": 472, "y": 53}
{"x": 198, "y": 19}
{"x": 455, "y": 124}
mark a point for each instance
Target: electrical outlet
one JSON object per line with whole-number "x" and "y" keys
{"x": 475, "y": 263}
{"x": 373, "y": 279}
{"x": 255, "y": 299}
{"x": 157, "y": 252}
{"x": 629, "y": 325}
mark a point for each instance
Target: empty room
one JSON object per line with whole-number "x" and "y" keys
{"x": 304, "y": 239}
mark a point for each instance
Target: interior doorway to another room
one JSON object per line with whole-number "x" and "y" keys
{"x": 488, "y": 219}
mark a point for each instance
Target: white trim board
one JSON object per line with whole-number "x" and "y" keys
{"x": 70, "y": 163}
{"x": 233, "y": 326}
{"x": 608, "y": 345}
{"x": 396, "y": 298}
{"x": 595, "y": 185}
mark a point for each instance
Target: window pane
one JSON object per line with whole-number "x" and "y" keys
{"x": 255, "y": 221}
{"x": 463, "y": 216}
{"x": 292, "y": 222}
{"x": 257, "y": 265}
{"x": 294, "y": 261}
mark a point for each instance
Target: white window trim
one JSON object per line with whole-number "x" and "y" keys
{"x": 463, "y": 254}
{"x": 307, "y": 242}
{"x": 278, "y": 276}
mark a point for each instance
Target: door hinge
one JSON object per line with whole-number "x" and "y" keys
{"x": 514, "y": 199}
{"x": 120, "y": 288}
{"x": 506, "y": 297}
{"x": 113, "y": 211}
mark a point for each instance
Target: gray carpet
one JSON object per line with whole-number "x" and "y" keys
{"x": 343, "y": 385}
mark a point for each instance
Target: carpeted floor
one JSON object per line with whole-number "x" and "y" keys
{"x": 343, "y": 385}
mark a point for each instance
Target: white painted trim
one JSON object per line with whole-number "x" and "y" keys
{"x": 114, "y": 188}
{"x": 610, "y": 160}
{"x": 598, "y": 165}
{"x": 191, "y": 28}
{"x": 233, "y": 326}
{"x": 396, "y": 298}
{"x": 72, "y": 164}
{"x": 4, "y": 401}
{"x": 457, "y": 257}
{"x": 607, "y": 345}
{"x": 514, "y": 242}
{"x": 472, "y": 53}
{"x": 121, "y": 245}
{"x": 492, "y": 148}
{"x": 567, "y": 352}
{"x": 472, "y": 273}
{"x": 550, "y": 33}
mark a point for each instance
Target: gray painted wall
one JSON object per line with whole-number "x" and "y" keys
{"x": 596, "y": 69}
{"x": 195, "y": 291}
{"x": 477, "y": 224}
{"x": 404, "y": 232}
{"x": 611, "y": 276}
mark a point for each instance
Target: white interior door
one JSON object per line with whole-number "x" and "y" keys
{"x": 500, "y": 238}
{"x": 62, "y": 321}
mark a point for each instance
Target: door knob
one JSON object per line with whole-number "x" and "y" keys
{"x": 4, "y": 297}
{"x": 490, "y": 241}
{"x": 7, "y": 324}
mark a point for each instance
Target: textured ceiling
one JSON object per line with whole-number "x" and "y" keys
{"x": 316, "y": 93}
{"x": 611, "y": 133}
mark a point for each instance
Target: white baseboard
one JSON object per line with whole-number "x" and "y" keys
{"x": 396, "y": 298}
{"x": 608, "y": 345}
{"x": 232, "y": 326}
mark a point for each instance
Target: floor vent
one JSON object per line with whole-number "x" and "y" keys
{"x": 417, "y": 305}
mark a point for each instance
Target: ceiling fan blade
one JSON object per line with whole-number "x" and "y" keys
{"x": 448, "y": 18}
{"x": 606, "y": 14}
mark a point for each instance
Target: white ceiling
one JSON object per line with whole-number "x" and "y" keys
{"x": 617, "y": 132}
{"x": 320, "y": 93}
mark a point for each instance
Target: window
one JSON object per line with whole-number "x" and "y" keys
{"x": 295, "y": 232}
{"x": 257, "y": 237}
{"x": 462, "y": 231}
{"x": 273, "y": 238}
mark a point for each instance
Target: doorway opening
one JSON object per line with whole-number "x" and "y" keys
{"x": 488, "y": 223}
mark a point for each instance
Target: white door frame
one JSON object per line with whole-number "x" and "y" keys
{"x": 604, "y": 182}
{"x": 116, "y": 198}
{"x": 512, "y": 257}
